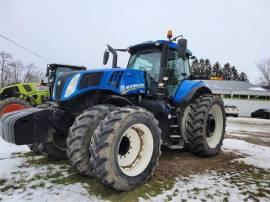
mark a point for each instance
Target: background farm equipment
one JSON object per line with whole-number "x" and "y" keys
{"x": 25, "y": 95}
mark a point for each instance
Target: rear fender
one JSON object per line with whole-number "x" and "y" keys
{"x": 188, "y": 89}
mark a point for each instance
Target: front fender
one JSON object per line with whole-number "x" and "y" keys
{"x": 187, "y": 89}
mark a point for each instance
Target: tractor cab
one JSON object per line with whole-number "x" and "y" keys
{"x": 149, "y": 57}
{"x": 54, "y": 70}
{"x": 164, "y": 62}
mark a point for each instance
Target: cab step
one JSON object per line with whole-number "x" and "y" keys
{"x": 175, "y": 146}
{"x": 175, "y": 136}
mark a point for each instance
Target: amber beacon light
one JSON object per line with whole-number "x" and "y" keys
{"x": 169, "y": 34}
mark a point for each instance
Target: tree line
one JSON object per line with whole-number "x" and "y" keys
{"x": 14, "y": 71}
{"x": 227, "y": 72}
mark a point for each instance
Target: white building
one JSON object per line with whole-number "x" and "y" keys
{"x": 246, "y": 96}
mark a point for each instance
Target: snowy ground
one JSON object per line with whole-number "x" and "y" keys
{"x": 240, "y": 173}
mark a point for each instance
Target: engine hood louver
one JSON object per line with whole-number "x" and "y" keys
{"x": 115, "y": 79}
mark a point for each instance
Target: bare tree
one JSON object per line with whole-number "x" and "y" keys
{"x": 17, "y": 71}
{"x": 29, "y": 75}
{"x": 32, "y": 73}
{"x": 4, "y": 61}
{"x": 264, "y": 69}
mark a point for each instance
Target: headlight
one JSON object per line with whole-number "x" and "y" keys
{"x": 72, "y": 86}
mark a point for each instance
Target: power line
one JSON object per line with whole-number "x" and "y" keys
{"x": 21, "y": 46}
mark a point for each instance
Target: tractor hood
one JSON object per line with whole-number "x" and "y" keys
{"x": 119, "y": 81}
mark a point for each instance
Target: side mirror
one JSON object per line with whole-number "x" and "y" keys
{"x": 182, "y": 47}
{"x": 106, "y": 57}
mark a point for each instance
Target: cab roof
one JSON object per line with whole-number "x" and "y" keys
{"x": 154, "y": 44}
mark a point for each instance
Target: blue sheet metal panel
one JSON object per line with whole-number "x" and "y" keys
{"x": 132, "y": 82}
{"x": 185, "y": 87}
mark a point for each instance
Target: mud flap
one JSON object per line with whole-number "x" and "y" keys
{"x": 26, "y": 126}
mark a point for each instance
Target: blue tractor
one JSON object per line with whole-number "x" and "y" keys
{"x": 111, "y": 123}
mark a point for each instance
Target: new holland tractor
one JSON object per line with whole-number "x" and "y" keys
{"x": 112, "y": 122}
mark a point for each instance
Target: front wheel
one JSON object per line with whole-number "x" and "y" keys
{"x": 56, "y": 148}
{"x": 125, "y": 148}
{"x": 206, "y": 124}
{"x": 80, "y": 134}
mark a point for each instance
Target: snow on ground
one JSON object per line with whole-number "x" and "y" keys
{"x": 255, "y": 155}
{"x": 27, "y": 177}
{"x": 208, "y": 187}
{"x": 220, "y": 186}
{"x": 248, "y": 125}
{"x": 17, "y": 184}
{"x": 69, "y": 193}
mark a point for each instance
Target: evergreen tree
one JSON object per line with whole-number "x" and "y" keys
{"x": 201, "y": 67}
{"x": 235, "y": 75}
{"x": 194, "y": 66}
{"x": 216, "y": 70}
{"x": 208, "y": 68}
{"x": 227, "y": 72}
{"x": 243, "y": 76}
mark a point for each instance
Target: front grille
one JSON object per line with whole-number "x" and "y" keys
{"x": 90, "y": 79}
{"x": 115, "y": 79}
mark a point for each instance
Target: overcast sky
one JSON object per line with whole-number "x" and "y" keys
{"x": 76, "y": 32}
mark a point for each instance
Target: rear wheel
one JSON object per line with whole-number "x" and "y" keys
{"x": 183, "y": 112}
{"x": 205, "y": 125}
{"x": 125, "y": 148}
{"x": 56, "y": 148}
{"x": 80, "y": 134}
{"x": 13, "y": 104}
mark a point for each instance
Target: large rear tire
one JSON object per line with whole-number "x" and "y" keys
{"x": 80, "y": 134}
{"x": 125, "y": 148}
{"x": 206, "y": 124}
{"x": 13, "y": 104}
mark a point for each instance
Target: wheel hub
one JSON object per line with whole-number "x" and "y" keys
{"x": 135, "y": 150}
{"x": 214, "y": 126}
{"x": 211, "y": 125}
{"x": 124, "y": 146}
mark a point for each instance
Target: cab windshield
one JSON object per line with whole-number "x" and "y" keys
{"x": 60, "y": 70}
{"x": 149, "y": 61}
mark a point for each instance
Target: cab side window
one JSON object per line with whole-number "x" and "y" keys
{"x": 177, "y": 70}
{"x": 10, "y": 92}
{"x": 27, "y": 88}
